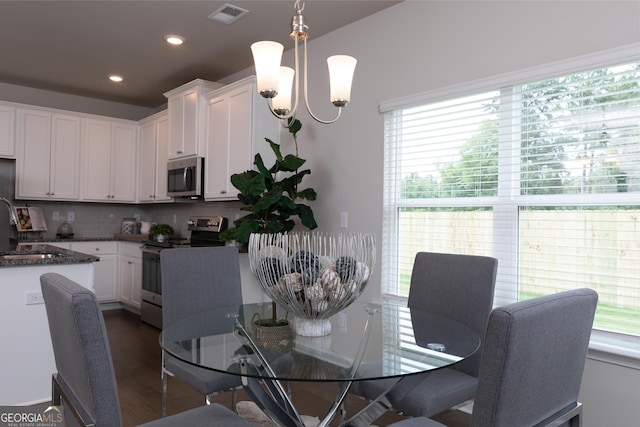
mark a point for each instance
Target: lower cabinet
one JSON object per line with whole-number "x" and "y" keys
{"x": 118, "y": 274}
{"x": 60, "y": 245}
{"x": 105, "y": 280}
{"x": 130, "y": 274}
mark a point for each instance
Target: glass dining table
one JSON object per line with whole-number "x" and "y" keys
{"x": 368, "y": 341}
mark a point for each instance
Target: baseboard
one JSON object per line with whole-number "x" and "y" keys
{"x": 106, "y": 306}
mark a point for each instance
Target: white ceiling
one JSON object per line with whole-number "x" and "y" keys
{"x": 72, "y": 46}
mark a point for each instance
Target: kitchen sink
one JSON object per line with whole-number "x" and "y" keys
{"x": 48, "y": 255}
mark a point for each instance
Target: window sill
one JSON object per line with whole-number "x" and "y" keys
{"x": 616, "y": 349}
{"x": 607, "y": 347}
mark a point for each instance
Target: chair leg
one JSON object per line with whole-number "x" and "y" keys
{"x": 573, "y": 417}
{"x": 163, "y": 409}
{"x": 56, "y": 393}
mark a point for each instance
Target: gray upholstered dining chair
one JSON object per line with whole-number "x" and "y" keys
{"x": 459, "y": 287}
{"x": 532, "y": 363}
{"x": 193, "y": 280}
{"x": 85, "y": 384}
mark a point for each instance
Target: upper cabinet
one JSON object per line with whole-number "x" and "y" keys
{"x": 152, "y": 174}
{"x": 48, "y": 157}
{"x": 7, "y": 131}
{"x": 238, "y": 121}
{"x": 109, "y": 161}
{"x": 187, "y": 114}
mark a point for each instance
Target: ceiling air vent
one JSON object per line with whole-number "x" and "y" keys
{"x": 228, "y": 13}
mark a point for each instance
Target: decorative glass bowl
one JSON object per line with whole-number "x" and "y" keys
{"x": 312, "y": 275}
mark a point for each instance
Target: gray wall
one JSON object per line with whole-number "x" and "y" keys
{"x": 81, "y": 104}
{"x": 419, "y": 46}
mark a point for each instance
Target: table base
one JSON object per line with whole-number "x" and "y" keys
{"x": 272, "y": 398}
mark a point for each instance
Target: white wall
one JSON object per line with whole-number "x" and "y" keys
{"x": 27, "y": 363}
{"x": 418, "y": 46}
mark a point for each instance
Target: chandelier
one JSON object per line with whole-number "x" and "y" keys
{"x": 275, "y": 82}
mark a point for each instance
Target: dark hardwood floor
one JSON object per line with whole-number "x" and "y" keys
{"x": 137, "y": 358}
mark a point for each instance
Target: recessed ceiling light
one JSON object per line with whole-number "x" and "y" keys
{"x": 116, "y": 78}
{"x": 174, "y": 40}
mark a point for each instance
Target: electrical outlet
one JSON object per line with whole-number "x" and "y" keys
{"x": 71, "y": 216}
{"x": 56, "y": 216}
{"x": 344, "y": 220}
{"x": 34, "y": 297}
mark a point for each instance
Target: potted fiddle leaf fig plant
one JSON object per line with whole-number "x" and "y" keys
{"x": 272, "y": 195}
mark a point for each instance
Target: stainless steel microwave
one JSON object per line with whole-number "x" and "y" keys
{"x": 185, "y": 177}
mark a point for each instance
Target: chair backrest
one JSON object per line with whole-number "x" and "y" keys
{"x": 457, "y": 286}
{"x": 534, "y": 359}
{"x": 81, "y": 347}
{"x": 198, "y": 279}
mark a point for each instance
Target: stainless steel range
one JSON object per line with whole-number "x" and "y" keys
{"x": 205, "y": 231}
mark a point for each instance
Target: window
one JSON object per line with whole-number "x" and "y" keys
{"x": 543, "y": 175}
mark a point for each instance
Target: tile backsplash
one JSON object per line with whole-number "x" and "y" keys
{"x": 100, "y": 220}
{"x": 103, "y": 220}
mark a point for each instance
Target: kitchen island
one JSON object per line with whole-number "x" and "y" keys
{"x": 27, "y": 362}
{"x": 37, "y": 254}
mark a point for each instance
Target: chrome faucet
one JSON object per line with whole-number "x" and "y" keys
{"x": 13, "y": 219}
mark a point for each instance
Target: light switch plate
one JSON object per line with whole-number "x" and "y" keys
{"x": 34, "y": 297}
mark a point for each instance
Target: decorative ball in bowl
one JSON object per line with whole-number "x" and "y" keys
{"x": 313, "y": 275}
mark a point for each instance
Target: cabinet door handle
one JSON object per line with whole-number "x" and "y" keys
{"x": 129, "y": 262}
{"x": 178, "y": 152}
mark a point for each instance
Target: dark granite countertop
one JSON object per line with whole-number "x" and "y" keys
{"x": 37, "y": 254}
{"x": 115, "y": 238}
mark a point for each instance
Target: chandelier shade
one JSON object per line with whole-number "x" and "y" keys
{"x": 341, "y": 68}
{"x": 281, "y": 103}
{"x": 267, "y": 56}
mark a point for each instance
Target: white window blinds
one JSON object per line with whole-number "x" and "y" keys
{"x": 544, "y": 176}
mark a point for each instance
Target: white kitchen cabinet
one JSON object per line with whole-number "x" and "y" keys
{"x": 48, "y": 155}
{"x": 238, "y": 121}
{"x": 7, "y": 131}
{"x": 187, "y": 116}
{"x": 152, "y": 174}
{"x": 61, "y": 245}
{"x": 109, "y": 161}
{"x": 105, "y": 271}
{"x": 130, "y": 274}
